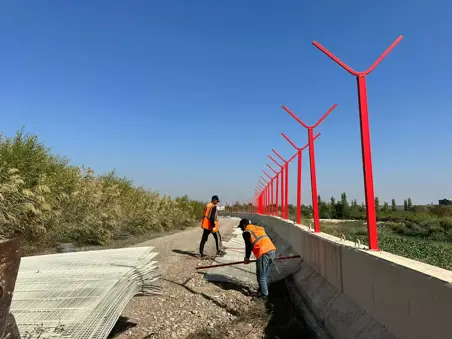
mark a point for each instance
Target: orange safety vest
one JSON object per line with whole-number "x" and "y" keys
{"x": 260, "y": 241}
{"x": 205, "y": 223}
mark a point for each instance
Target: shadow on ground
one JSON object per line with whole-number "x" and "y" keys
{"x": 122, "y": 325}
{"x": 278, "y": 318}
{"x": 205, "y": 296}
{"x": 189, "y": 253}
{"x": 227, "y": 283}
{"x": 284, "y": 321}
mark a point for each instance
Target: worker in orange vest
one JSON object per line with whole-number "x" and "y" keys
{"x": 210, "y": 224}
{"x": 258, "y": 242}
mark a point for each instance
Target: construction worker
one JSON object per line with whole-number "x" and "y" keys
{"x": 258, "y": 242}
{"x": 209, "y": 224}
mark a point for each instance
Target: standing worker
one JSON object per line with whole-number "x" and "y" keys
{"x": 209, "y": 224}
{"x": 257, "y": 241}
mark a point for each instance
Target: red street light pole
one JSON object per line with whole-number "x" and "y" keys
{"x": 365, "y": 137}
{"x": 271, "y": 192}
{"x": 315, "y": 203}
{"x": 299, "y": 178}
{"x": 286, "y": 198}
{"x": 277, "y": 189}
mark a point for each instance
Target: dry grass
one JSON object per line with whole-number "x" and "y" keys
{"x": 44, "y": 200}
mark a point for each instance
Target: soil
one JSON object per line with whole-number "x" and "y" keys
{"x": 193, "y": 308}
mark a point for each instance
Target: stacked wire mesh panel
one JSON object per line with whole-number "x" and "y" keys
{"x": 81, "y": 294}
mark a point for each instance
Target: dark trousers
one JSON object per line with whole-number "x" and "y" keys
{"x": 205, "y": 236}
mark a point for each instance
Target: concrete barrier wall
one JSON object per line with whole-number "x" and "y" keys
{"x": 356, "y": 293}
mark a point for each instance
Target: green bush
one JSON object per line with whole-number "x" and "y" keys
{"x": 397, "y": 238}
{"x": 45, "y": 200}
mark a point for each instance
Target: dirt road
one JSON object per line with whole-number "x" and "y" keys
{"x": 193, "y": 308}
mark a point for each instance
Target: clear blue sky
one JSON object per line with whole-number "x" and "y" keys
{"x": 154, "y": 88}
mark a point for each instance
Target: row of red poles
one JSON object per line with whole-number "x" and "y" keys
{"x": 270, "y": 188}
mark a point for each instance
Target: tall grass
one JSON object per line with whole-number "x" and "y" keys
{"x": 45, "y": 200}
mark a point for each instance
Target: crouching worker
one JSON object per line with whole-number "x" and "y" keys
{"x": 257, "y": 241}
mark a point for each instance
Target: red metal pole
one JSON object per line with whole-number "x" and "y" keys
{"x": 287, "y": 190}
{"x": 283, "y": 209}
{"x": 285, "y": 185}
{"x": 300, "y": 162}
{"x": 268, "y": 199}
{"x": 315, "y": 205}
{"x": 272, "y": 211}
{"x": 277, "y": 189}
{"x": 284, "y": 178}
{"x": 282, "y": 182}
{"x": 365, "y": 137}
{"x": 265, "y": 183}
{"x": 299, "y": 179}
{"x": 276, "y": 194}
{"x": 265, "y": 201}
{"x": 270, "y": 195}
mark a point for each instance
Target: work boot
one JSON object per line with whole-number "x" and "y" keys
{"x": 220, "y": 253}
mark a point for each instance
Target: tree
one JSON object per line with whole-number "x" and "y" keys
{"x": 405, "y": 205}
{"x": 409, "y": 204}
{"x": 333, "y": 212}
{"x": 377, "y": 204}
{"x": 345, "y": 208}
{"x": 385, "y": 207}
{"x": 332, "y": 201}
{"x": 393, "y": 205}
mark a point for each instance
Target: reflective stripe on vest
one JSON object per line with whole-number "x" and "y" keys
{"x": 256, "y": 238}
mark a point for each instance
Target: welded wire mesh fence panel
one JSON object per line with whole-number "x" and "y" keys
{"x": 81, "y": 294}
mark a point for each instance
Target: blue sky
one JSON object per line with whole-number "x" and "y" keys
{"x": 184, "y": 97}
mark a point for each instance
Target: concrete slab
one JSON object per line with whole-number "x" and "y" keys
{"x": 235, "y": 251}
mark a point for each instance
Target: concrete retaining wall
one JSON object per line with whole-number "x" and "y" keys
{"x": 355, "y": 293}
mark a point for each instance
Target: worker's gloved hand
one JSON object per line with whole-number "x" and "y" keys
{"x": 246, "y": 261}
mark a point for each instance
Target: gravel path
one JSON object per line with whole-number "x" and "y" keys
{"x": 193, "y": 308}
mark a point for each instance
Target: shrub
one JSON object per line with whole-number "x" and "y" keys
{"x": 45, "y": 200}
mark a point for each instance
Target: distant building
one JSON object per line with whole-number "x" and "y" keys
{"x": 445, "y": 202}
